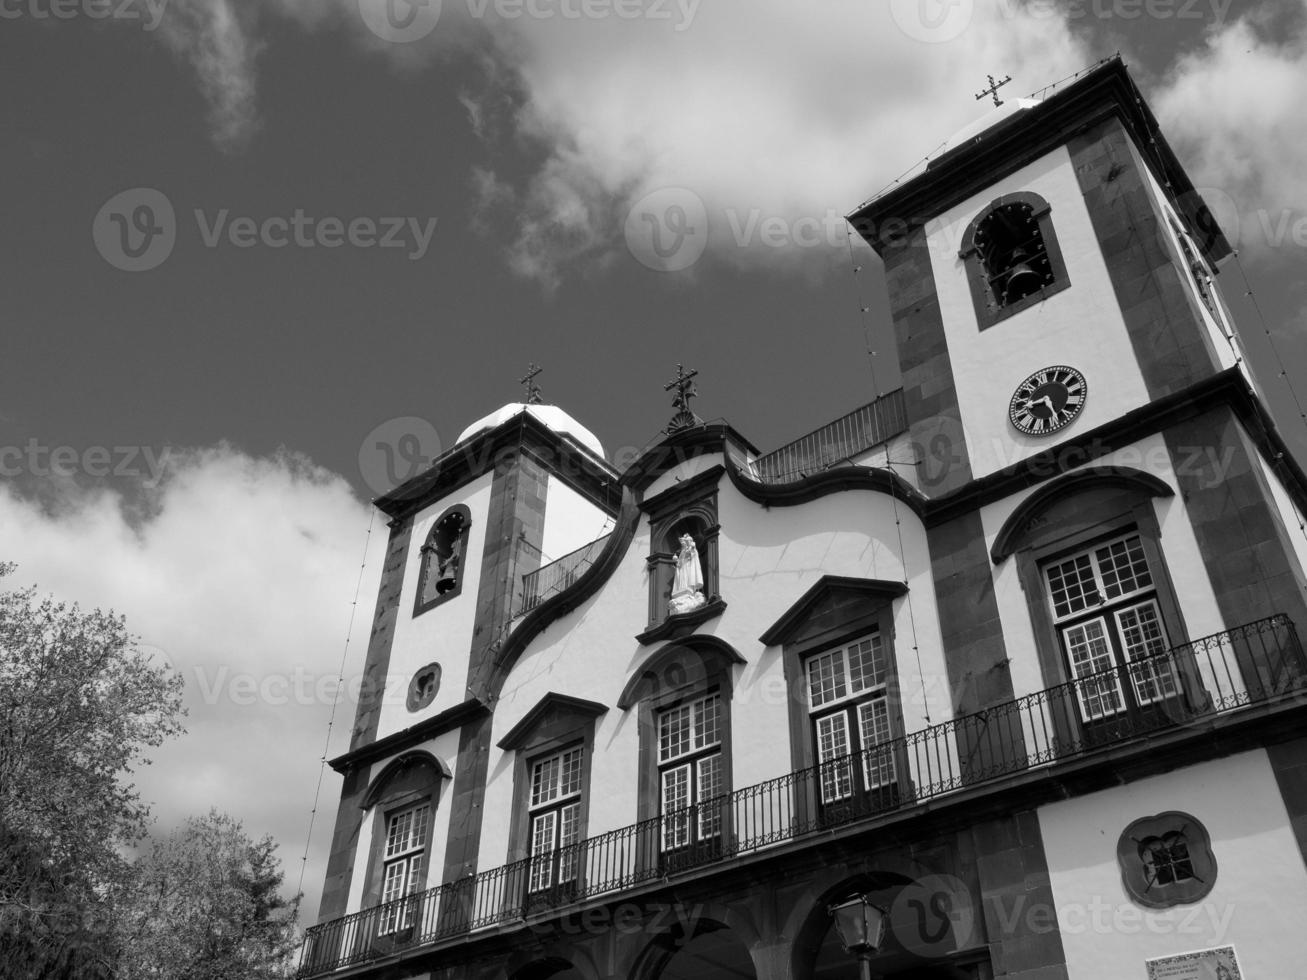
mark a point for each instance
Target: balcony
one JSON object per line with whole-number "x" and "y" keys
{"x": 558, "y": 575}
{"x": 1188, "y": 687}
{"x": 836, "y": 442}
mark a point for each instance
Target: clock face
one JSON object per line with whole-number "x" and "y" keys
{"x": 1048, "y": 400}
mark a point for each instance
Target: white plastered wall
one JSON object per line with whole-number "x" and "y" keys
{"x": 1080, "y": 326}
{"x": 767, "y": 559}
{"x": 442, "y": 634}
{"x": 1261, "y": 885}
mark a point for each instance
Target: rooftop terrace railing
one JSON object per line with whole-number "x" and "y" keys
{"x": 549, "y": 580}
{"x": 1217, "y": 675}
{"x": 835, "y": 442}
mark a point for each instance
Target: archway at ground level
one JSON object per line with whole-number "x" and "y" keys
{"x": 933, "y": 932}
{"x": 711, "y": 953}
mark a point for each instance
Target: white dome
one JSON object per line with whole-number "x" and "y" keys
{"x": 550, "y": 415}
{"x": 988, "y": 121}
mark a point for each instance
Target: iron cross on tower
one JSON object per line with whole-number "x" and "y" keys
{"x": 529, "y": 382}
{"x": 684, "y": 418}
{"x": 993, "y": 89}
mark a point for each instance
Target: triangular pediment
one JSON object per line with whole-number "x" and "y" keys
{"x": 555, "y": 708}
{"x": 833, "y": 600}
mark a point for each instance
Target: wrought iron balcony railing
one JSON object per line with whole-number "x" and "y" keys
{"x": 549, "y": 580}
{"x": 1217, "y": 675}
{"x": 835, "y": 442}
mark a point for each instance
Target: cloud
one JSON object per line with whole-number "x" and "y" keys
{"x": 241, "y": 576}
{"x": 1233, "y": 110}
{"x": 216, "y": 38}
{"x": 766, "y": 111}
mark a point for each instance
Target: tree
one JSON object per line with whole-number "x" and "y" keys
{"x": 80, "y": 707}
{"x": 204, "y": 905}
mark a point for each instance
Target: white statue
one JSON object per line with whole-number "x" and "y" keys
{"x": 687, "y": 587}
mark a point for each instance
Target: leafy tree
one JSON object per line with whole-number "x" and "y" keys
{"x": 204, "y": 905}
{"x": 79, "y": 709}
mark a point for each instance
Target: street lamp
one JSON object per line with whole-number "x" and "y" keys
{"x": 861, "y": 926}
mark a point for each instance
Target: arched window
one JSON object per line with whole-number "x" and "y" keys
{"x": 1012, "y": 257}
{"x": 403, "y": 799}
{"x": 444, "y": 556}
{"x": 683, "y": 699}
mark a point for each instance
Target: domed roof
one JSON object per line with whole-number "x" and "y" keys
{"x": 551, "y": 415}
{"x": 989, "y": 120}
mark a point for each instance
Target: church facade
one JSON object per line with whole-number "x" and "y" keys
{"x": 1011, "y": 654}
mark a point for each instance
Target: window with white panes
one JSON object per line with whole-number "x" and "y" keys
{"x": 403, "y": 861}
{"x": 1106, "y": 611}
{"x": 849, "y": 705}
{"x": 555, "y": 811}
{"x": 690, "y": 771}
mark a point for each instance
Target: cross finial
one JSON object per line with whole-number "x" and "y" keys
{"x": 993, "y": 89}
{"x": 529, "y": 382}
{"x": 684, "y": 418}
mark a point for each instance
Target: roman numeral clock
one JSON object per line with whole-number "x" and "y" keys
{"x": 1048, "y": 400}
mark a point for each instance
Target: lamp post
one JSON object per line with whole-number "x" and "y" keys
{"x": 861, "y": 926}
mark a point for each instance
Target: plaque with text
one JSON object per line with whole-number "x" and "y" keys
{"x": 1203, "y": 964}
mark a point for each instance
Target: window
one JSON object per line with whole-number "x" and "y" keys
{"x": 1166, "y": 860}
{"x": 1105, "y": 608}
{"x": 1011, "y": 257}
{"x": 682, "y": 696}
{"x": 402, "y": 874}
{"x": 555, "y": 819}
{"x": 444, "y": 555}
{"x": 849, "y": 707}
{"x": 423, "y": 688}
{"x": 690, "y": 772}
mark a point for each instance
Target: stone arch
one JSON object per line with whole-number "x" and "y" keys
{"x": 411, "y": 767}
{"x": 690, "y": 944}
{"x": 683, "y": 663}
{"x": 1090, "y": 478}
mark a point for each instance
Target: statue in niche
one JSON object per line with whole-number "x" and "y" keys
{"x": 687, "y": 587}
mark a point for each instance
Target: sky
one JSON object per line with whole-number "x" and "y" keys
{"x": 260, "y": 258}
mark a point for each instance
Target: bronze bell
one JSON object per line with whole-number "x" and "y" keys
{"x": 448, "y": 577}
{"x": 1022, "y": 280}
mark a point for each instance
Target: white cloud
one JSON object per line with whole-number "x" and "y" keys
{"x": 1233, "y": 110}
{"x": 242, "y": 576}
{"x": 216, "y": 38}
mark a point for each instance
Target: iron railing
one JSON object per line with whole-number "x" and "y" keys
{"x": 549, "y": 580}
{"x": 1215, "y": 675}
{"x": 835, "y": 442}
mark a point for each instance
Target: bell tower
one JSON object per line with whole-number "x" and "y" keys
{"x": 1052, "y": 270}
